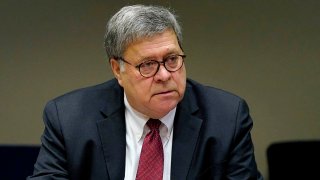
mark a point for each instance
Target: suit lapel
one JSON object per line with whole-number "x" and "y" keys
{"x": 185, "y": 135}
{"x": 112, "y": 133}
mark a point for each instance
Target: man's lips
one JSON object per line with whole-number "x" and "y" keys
{"x": 164, "y": 92}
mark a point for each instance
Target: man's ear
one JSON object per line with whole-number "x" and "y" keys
{"x": 115, "y": 66}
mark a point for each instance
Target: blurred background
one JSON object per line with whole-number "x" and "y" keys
{"x": 267, "y": 52}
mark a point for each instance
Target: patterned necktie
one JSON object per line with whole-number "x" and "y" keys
{"x": 151, "y": 158}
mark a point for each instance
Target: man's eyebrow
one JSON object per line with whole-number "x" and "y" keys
{"x": 147, "y": 58}
{"x": 170, "y": 51}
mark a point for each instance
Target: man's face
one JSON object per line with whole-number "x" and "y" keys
{"x": 154, "y": 96}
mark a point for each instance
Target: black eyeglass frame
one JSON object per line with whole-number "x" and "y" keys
{"x": 158, "y": 62}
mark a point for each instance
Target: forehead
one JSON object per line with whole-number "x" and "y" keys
{"x": 158, "y": 45}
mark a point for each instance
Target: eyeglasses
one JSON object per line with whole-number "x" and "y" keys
{"x": 149, "y": 68}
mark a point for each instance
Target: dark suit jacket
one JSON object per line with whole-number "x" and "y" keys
{"x": 84, "y": 136}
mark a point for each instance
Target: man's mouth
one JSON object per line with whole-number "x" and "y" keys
{"x": 165, "y": 93}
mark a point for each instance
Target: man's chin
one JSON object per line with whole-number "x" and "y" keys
{"x": 162, "y": 110}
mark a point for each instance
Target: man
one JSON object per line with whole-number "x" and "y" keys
{"x": 106, "y": 131}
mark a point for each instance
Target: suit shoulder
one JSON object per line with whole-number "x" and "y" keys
{"x": 205, "y": 92}
{"x": 88, "y": 92}
{"x": 214, "y": 104}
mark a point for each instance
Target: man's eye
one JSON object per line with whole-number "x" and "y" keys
{"x": 171, "y": 59}
{"x": 148, "y": 64}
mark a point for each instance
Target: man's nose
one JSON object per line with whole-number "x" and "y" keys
{"x": 163, "y": 74}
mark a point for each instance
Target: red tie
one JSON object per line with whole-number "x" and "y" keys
{"x": 151, "y": 158}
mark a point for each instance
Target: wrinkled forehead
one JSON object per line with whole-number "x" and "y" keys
{"x": 145, "y": 38}
{"x": 157, "y": 45}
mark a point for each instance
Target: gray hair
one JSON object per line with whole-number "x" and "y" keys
{"x": 138, "y": 21}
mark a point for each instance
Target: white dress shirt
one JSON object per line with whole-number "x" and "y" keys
{"x": 136, "y": 130}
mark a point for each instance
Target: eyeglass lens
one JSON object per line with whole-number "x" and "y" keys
{"x": 171, "y": 63}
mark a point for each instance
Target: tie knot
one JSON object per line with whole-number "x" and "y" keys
{"x": 153, "y": 124}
